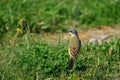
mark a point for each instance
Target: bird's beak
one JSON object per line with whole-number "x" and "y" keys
{"x": 69, "y": 31}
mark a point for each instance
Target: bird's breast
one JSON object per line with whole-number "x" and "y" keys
{"x": 74, "y": 42}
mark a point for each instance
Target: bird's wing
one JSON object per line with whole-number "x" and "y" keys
{"x": 74, "y": 51}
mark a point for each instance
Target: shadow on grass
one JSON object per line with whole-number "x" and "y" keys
{"x": 81, "y": 68}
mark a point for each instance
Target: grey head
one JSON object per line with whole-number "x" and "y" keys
{"x": 73, "y": 31}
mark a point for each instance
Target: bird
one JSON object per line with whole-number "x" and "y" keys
{"x": 73, "y": 47}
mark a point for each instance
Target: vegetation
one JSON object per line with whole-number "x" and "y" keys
{"x": 42, "y": 60}
{"x": 57, "y": 15}
{"x": 25, "y": 56}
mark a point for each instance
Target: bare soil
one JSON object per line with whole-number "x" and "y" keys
{"x": 85, "y": 35}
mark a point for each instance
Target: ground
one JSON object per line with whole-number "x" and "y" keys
{"x": 86, "y": 35}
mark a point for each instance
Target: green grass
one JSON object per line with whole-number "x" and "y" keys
{"x": 38, "y": 59}
{"x": 43, "y": 60}
{"x": 56, "y": 15}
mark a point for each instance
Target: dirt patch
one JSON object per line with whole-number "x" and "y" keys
{"x": 98, "y": 33}
{"x": 85, "y": 35}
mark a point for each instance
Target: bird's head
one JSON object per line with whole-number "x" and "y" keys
{"x": 73, "y": 32}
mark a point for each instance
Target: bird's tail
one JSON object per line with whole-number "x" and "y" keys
{"x": 71, "y": 63}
